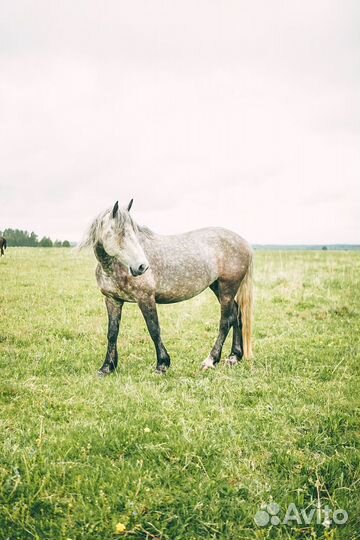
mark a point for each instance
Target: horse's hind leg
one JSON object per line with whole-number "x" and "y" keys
{"x": 114, "y": 309}
{"x": 237, "y": 341}
{"x": 225, "y": 291}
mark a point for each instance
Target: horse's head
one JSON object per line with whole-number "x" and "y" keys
{"x": 119, "y": 239}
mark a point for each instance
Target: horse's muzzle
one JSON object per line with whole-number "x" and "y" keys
{"x": 140, "y": 270}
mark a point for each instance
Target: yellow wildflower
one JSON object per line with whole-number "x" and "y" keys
{"x": 120, "y": 528}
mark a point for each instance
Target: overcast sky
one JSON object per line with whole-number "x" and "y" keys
{"x": 244, "y": 114}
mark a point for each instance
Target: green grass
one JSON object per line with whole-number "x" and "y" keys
{"x": 189, "y": 455}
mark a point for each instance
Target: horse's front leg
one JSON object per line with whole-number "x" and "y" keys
{"x": 149, "y": 311}
{"x": 114, "y": 309}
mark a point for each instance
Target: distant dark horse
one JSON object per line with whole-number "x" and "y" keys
{"x": 2, "y": 245}
{"x": 137, "y": 265}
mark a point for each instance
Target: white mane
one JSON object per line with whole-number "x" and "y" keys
{"x": 93, "y": 234}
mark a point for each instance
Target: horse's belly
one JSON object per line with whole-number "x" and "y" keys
{"x": 182, "y": 287}
{"x": 172, "y": 298}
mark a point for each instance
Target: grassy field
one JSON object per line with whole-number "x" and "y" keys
{"x": 189, "y": 455}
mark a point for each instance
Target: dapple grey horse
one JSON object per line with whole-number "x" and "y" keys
{"x": 137, "y": 265}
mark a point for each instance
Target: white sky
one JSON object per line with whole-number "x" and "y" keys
{"x": 234, "y": 113}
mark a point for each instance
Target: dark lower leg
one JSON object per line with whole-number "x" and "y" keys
{"x": 149, "y": 312}
{"x": 237, "y": 342}
{"x": 114, "y": 310}
{"x": 226, "y": 321}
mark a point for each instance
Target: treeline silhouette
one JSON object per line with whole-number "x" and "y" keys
{"x": 17, "y": 237}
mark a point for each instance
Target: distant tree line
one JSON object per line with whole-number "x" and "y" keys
{"x": 17, "y": 237}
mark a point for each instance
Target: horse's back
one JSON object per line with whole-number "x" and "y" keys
{"x": 222, "y": 244}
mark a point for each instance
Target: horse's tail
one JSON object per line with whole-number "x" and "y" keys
{"x": 4, "y": 244}
{"x": 244, "y": 299}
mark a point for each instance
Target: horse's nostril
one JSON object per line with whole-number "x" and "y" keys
{"x": 141, "y": 269}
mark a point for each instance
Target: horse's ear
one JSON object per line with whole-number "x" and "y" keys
{"x": 130, "y": 205}
{"x": 115, "y": 209}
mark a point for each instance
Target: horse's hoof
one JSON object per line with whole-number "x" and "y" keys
{"x": 208, "y": 364}
{"x": 232, "y": 361}
{"x": 161, "y": 370}
{"x": 104, "y": 372}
